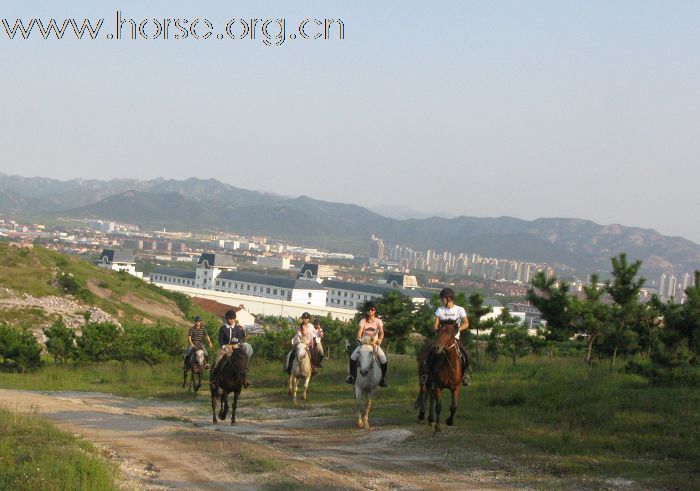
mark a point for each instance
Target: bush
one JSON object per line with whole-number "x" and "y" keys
{"x": 19, "y": 349}
{"x": 106, "y": 341}
{"x": 61, "y": 341}
{"x": 99, "y": 342}
{"x": 273, "y": 345}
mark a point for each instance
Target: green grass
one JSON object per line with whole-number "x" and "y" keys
{"x": 35, "y": 455}
{"x": 548, "y": 418}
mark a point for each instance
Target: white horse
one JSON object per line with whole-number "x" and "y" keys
{"x": 196, "y": 368}
{"x": 301, "y": 368}
{"x": 369, "y": 373}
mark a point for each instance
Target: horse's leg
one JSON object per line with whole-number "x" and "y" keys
{"x": 431, "y": 406}
{"x": 290, "y": 391}
{"x": 235, "y": 405}
{"x": 224, "y": 406}
{"x": 421, "y": 403}
{"x": 306, "y": 387}
{"x": 453, "y": 406}
{"x": 184, "y": 379}
{"x": 358, "y": 406}
{"x": 368, "y": 405}
{"x": 438, "y": 408}
{"x": 214, "y": 396}
{"x": 197, "y": 383}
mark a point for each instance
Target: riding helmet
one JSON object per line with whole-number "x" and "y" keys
{"x": 230, "y": 314}
{"x": 447, "y": 293}
{"x": 197, "y": 318}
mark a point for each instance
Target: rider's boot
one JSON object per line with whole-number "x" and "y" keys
{"x": 466, "y": 371}
{"x": 352, "y": 371}
{"x": 382, "y": 382}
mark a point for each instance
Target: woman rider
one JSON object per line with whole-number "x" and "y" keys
{"x": 449, "y": 312}
{"x": 373, "y": 327}
{"x": 306, "y": 328}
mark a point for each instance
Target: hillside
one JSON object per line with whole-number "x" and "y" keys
{"x": 33, "y": 294}
{"x": 198, "y": 204}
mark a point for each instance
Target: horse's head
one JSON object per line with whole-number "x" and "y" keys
{"x": 199, "y": 356}
{"x": 302, "y": 347}
{"x": 446, "y": 336}
{"x": 366, "y": 340}
{"x": 366, "y": 358}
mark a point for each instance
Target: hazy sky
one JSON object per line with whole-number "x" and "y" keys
{"x": 587, "y": 109}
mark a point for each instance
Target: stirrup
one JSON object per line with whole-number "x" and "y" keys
{"x": 466, "y": 379}
{"x": 350, "y": 379}
{"x": 383, "y": 383}
{"x": 423, "y": 379}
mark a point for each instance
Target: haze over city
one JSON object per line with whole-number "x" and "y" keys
{"x": 477, "y": 108}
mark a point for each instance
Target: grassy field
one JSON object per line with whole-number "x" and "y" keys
{"x": 547, "y": 417}
{"x": 35, "y": 455}
{"x": 35, "y": 271}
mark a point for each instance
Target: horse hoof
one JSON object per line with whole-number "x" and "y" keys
{"x": 233, "y": 423}
{"x": 448, "y": 422}
{"x": 359, "y": 424}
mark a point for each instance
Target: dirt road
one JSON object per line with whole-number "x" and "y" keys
{"x": 164, "y": 445}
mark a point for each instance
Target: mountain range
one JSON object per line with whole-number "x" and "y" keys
{"x": 208, "y": 204}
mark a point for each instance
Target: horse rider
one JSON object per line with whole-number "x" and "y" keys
{"x": 319, "y": 337}
{"x": 231, "y": 334}
{"x": 306, "y": 328}
{"x": 195, "y": 338}
{"x": 373, "y": 327}
{"x": 449, "y": 312}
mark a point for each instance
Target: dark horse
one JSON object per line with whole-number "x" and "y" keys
{"x": 444, "y": 372}
{"x": 229, "y": 377}
{"x": 195, "y": 366}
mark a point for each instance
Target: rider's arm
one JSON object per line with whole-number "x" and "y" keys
{"x": 464, "y": 324}
{"x": 209, "y": 340}
{"x": 380, "y": 333}
{"x": 189, "y": 340}
{"x": 436, "y": 324}
{"x": 359, "y": 330}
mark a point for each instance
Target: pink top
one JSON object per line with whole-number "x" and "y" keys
{"x": 371, "y": 328}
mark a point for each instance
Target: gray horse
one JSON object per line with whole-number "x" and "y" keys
{"x": 369, "y": 373}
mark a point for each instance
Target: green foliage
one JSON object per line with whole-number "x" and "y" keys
{"x": 106, "y": 341}
{"x": 19, "y": 349}
{"x": 552, "y": 299}
{"x": 508, "y": 337}
{"x": 337, "y": 335}
{"x": 273, "y": 345}
{"x": 60, "y": 341}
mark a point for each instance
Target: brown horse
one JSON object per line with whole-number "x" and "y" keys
{"x": 229, "y": 376}
{"x": 445, "y": 372}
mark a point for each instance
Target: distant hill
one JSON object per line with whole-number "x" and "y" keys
{"x": 205, "y": 204}
{"x": 35, "y": 273}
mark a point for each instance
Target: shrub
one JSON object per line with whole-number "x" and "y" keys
{"x": 99, "y": 342}
{"x": 273, "y": 345}
{"x": 19, "y": 349}
{"x": 61, "y": 341}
